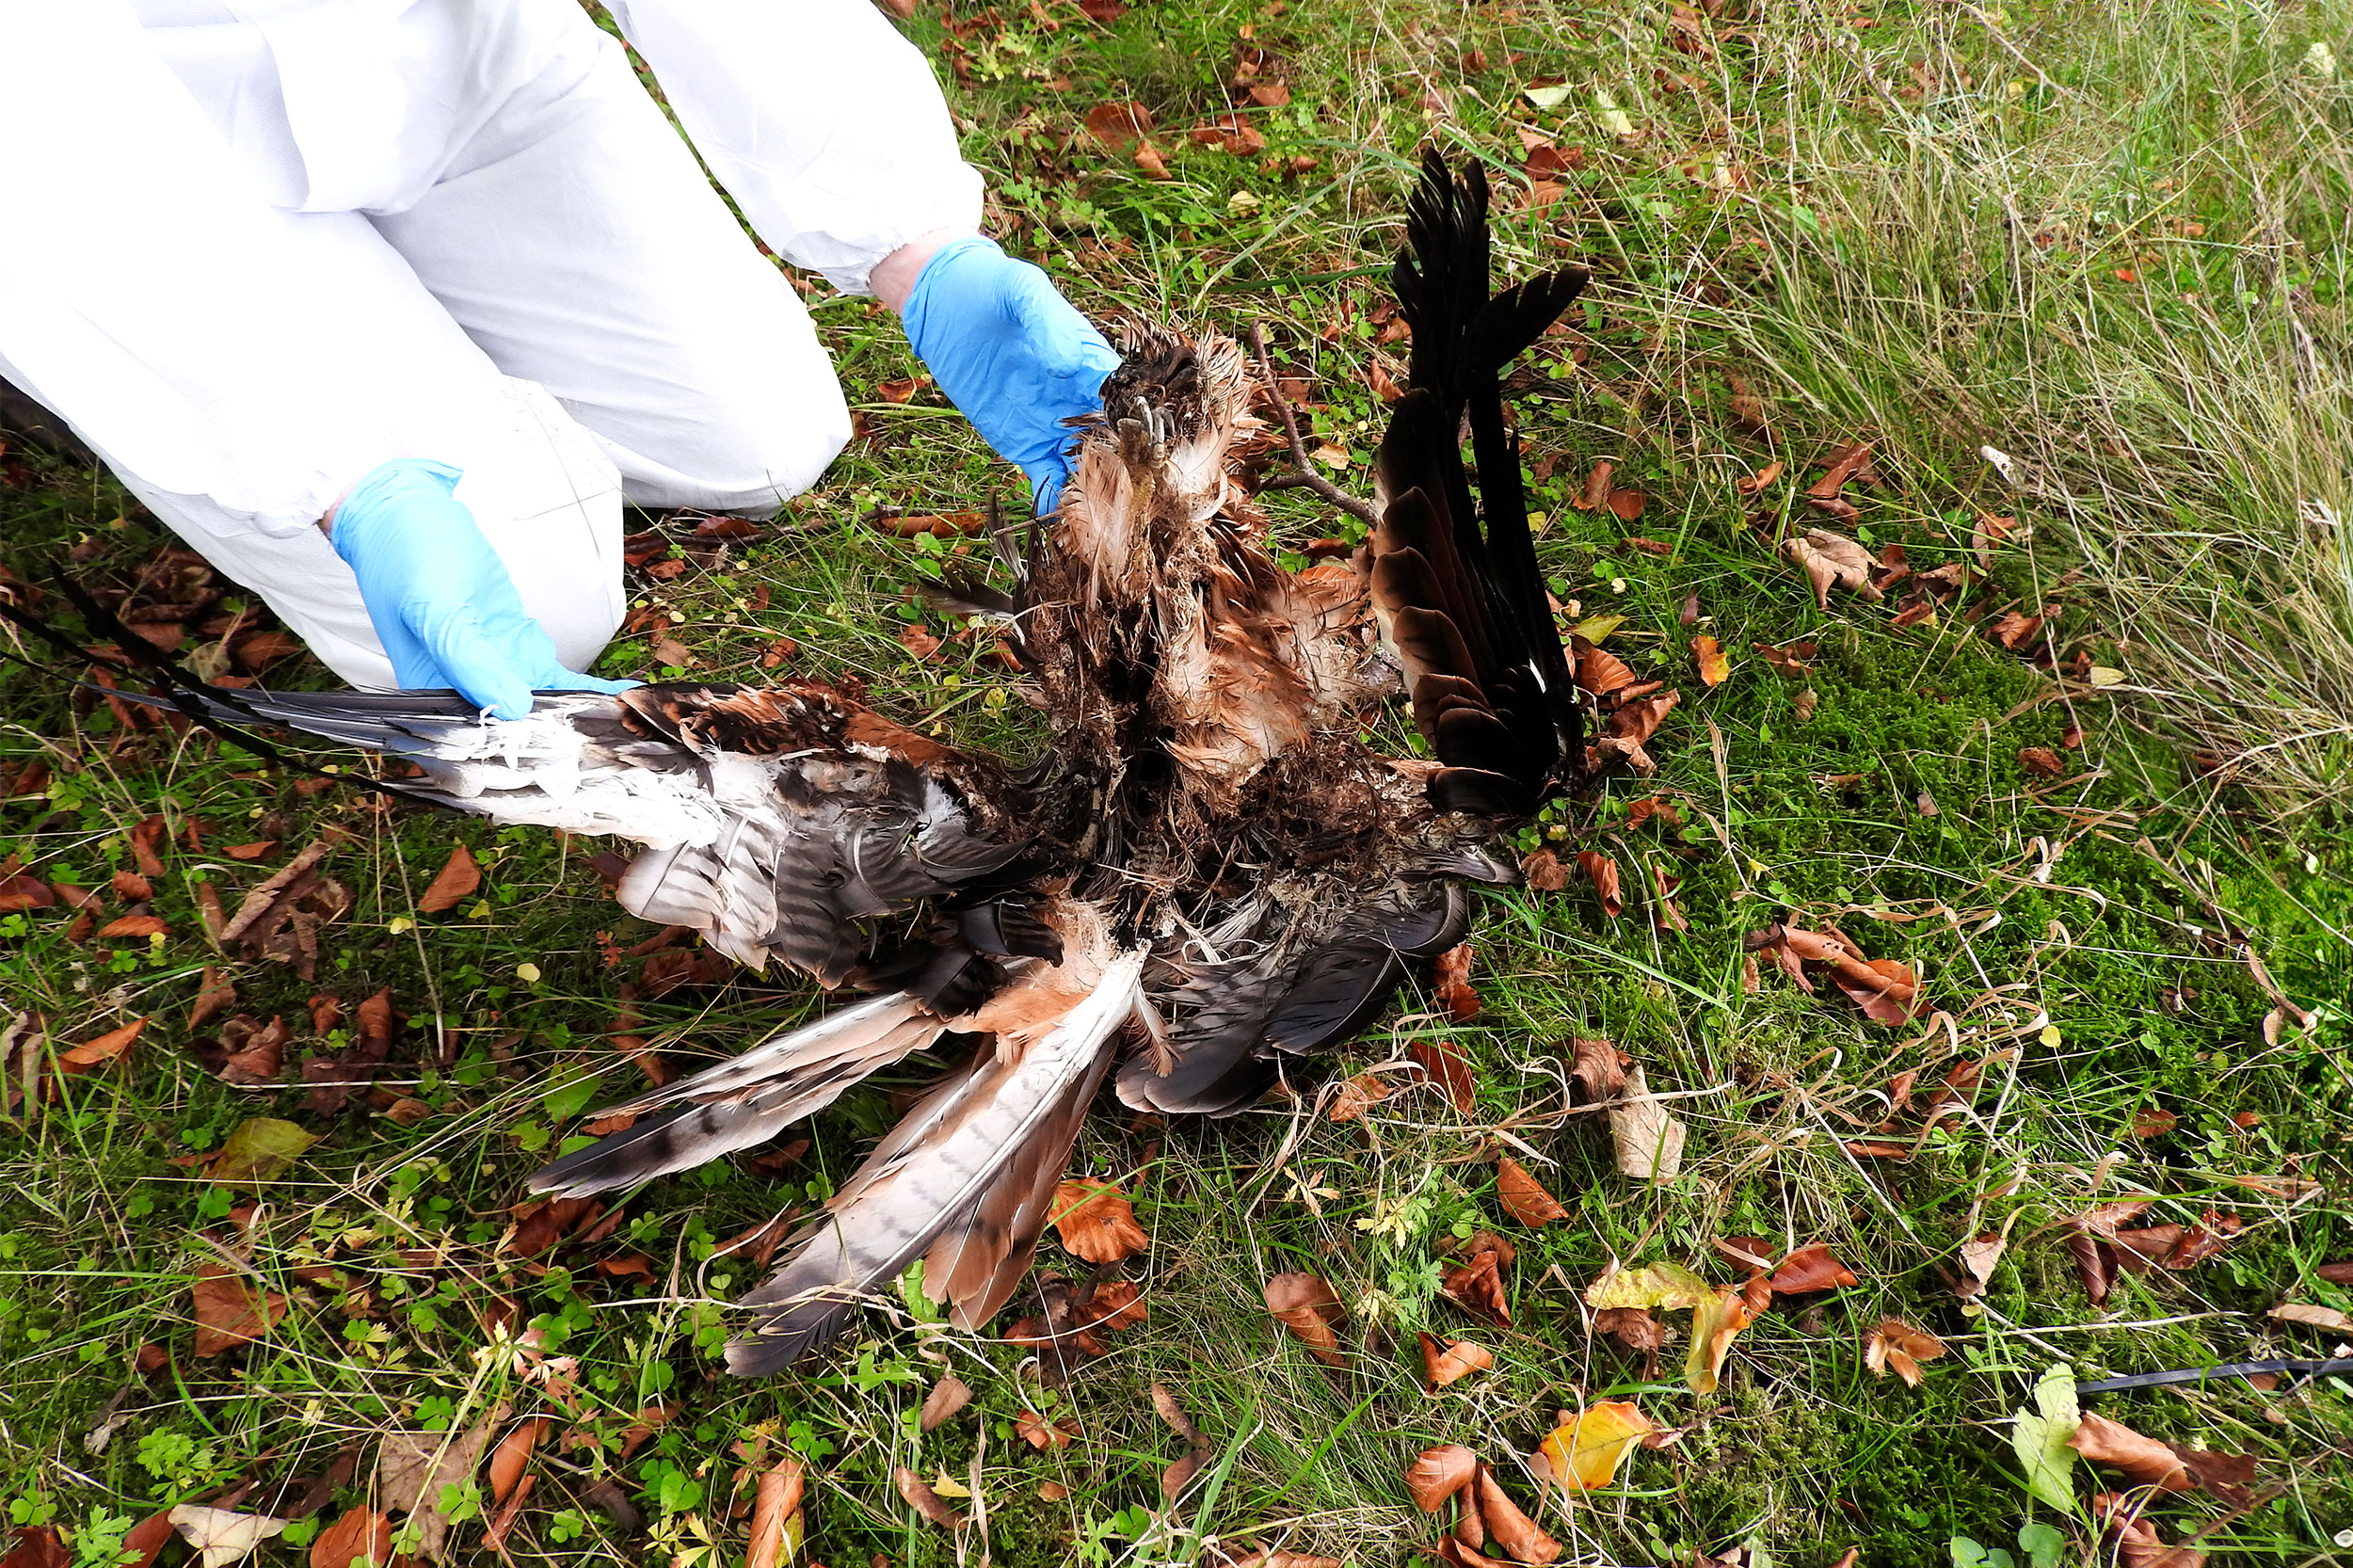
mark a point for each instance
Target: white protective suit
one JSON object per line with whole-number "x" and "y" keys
{"x": 255, "y": 248}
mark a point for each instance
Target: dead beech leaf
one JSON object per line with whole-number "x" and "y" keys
{"x": 1451, "y": 981}
{"x": 1476, "y": 1285}
{"x": 414, "y": 1468}
{"x": 1755, "y": 484}
{"x": 1808, "y": 1270}
{"x": 360, "y": 1533}
{"x": 1524, "y": 1197}
{"x": 1832, "y": 561}
{"x": 1453, "y": 1360}
{"x": 2146, "y": 1461}
{"x": 1510, "y": 1529}
{"x": 1147, "y": 158}
{"x": 1794, "y": 662}
{"x": 950, "y": 1395}
{"x": 773, "y": 1508}
{"x": 1599, "y": 671}
{"x": 1715, "y": 665}
{"x": 1119, "y": 126}
{"x": 1437, "y": 1474}
{"x": 513, "y": 1454}
{"x": 918, "y": 643}
{"x": 1584, "y": 1452}
{"x": 221, "y": 1537}
{"x": 1601, "y": 872}
{"x": 1095, "y": 1222}
{"x": 1443, "y": 1063}
{"x": 456, "y": 881}
{"x": 1358, "y": 1095}
{"x": 1628, "y": 503}
{"x": 2042, "y": 762}
{"x": 131, "y": 925}
{"x": 1041, "y": 1434}
{"x": 920, "y": 1497}
{"x": 230, "y": 1310}
{"x": 2138, "y": 1543}
{"x": 1544, "y": 873}
{"x": 1648, "y": 1138}
{"x": 1636, "y": 1330}
{"x": 1595, "y": 494}
{"x": 1892, "y": 1345}
{"x": 2311, "y": 1317}
{"x": 1308, "y": 1306}
{"x": 95, "y": 1053}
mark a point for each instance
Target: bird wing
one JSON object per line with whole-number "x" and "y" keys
{"x": 748, "y": 1099}
{"x": 965, "y": 1181}
{"x": 1456, "y": 588}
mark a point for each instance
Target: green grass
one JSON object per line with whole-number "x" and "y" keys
{"x": 1929, "y": 259}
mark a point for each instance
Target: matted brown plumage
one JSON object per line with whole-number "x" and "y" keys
{"x": 1210, "y": 873}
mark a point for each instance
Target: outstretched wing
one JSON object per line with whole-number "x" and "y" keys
{"x": 1455, "y": 582}
{"x": 965, "y": 1181}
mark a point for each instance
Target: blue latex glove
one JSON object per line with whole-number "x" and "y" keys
{"x": 439, "y": 597}
{"x": 1011, "y": 353}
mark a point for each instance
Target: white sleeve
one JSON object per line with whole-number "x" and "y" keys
{"x": 825, "y": 126}
{"x": 148, "y": 292}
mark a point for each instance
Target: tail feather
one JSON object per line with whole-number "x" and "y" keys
{"x": 1455, "y": 578}
{"x": 957, "y": 1182}
{"x": 746, "y": 1101}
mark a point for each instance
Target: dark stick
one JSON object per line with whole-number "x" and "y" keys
{"x": 1307, "y": 477}
{"x": 2202, "y": 1374}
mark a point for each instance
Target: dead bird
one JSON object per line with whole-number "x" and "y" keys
{"x": 1212, "y": 871}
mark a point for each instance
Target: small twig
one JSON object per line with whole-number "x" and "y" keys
{"x": 1307, "y": 477}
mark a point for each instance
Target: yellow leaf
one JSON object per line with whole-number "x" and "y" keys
{"x": 1714, "y": 1322}
{"x": 1667, "y": 1285}
{"x": 948, "y": 1487}
{"x": 2051, "y": 1035}
{"x": 1596, "y": 628}
{"x": 2102, "y": 675}
{"x": 1585, "y": 1453}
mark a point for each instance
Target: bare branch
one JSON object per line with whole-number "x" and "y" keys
{"x": 1306, "y": 478}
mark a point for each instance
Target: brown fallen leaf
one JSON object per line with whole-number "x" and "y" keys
{"x": 230, "y": 1310}
{"x": 513, "y": 1455}
{"x": 1647, "y": 1137}
{"x": 1451, "y": 981}
{"x": 2155, "y": 1122}
{"x": 950, "y": 1395}
{"x": 94, "y": 1053}
{"x": 214, "y": 996}
{"x": 920, "y": 1497}
{"x": 1832, "y": 561}
{"x": 1095, "y": 1222}
{"x": 1892, "y": 1345}
{"x": 1599, "y": 671}
{"x": 1147, "y": 158}
{"x": 1544, "y": 873}
{"x": 456, "y": 880}
{"x": 1595, "y": 494}
{"x": 1042, "y": 1433}
{"x": 360, "y": 1533}
{"x": 1794, "y": 662}
{"x": 1308, "y": 1306}
{"x": 1808, "y": 1270}
{"x": 131, "y": 925}
{"x": 1715, "y": 665}
{"x": 1358, "y": 1095}
{"x": 918, "y": 641}
{"x": 1510, "y": 1529}
{"x": 2136, "y": 1541}
{"x": 1119, "y": 126}
{"x": 1524, "y": 1197}
{"x": 1755, "y": 483}
{"x": 2311, "y": 1317}
{"x": 2040, "y": 760}
{"x": 1601, "y": 872}
{"x": 1636, "y": 1330}
{"x": 1628, "y": 503}
{"x": 1453, "y": 1360}
{"x": 2013, "y": 628}
{"x": 1437, "y": 1474}
{"x": 775, "y": 1530}
{"x": 414, "y": 1469}
{"x": 1476, "y": 1282}
{"x": 1444, "y": 1063}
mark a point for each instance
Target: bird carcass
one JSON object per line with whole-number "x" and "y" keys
{"x": 1209, "y": 875}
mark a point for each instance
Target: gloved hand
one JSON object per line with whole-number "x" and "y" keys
{"x": 440, "y": 599}
{"x": 1011, "y": 353}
